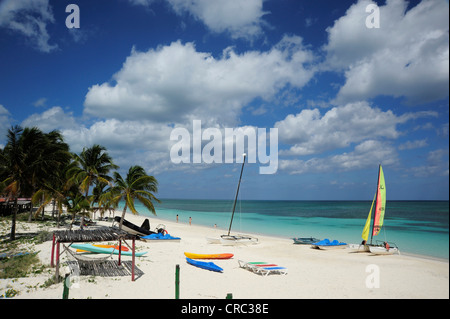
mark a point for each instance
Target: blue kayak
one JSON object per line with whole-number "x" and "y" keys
{"x": 327, "y": 244}
{"x": 160, "y": 236}
{"x": 203, "y": 264}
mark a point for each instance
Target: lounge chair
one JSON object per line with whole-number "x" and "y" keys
{"x": 262, "y": 268}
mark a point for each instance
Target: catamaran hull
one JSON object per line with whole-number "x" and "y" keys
{"x": 377, "y": 250}
{"x": 238, "y": 240}
{"x": 358, "y": 248}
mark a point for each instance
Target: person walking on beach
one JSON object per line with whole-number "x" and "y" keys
{"x": 177, "y": 218}
{"x": 190, "y": 220}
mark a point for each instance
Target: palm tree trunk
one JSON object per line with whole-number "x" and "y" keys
{"x": 123, "y": 215}
{"x": 13, "y": 223}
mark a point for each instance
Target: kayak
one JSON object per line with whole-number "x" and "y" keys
{"x": 106, "y": 246}
{"x": 208, "y": 256}
{"x": 101, "y": 250}
{"x": 204, "y": 265}
{"x": 326, "y": 244}
{"x": 161, "y": 237}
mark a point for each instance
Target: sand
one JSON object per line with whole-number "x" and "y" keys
{"x": 311, "y": 273}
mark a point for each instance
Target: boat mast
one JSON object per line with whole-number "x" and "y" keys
{"x": 237, "y": 192}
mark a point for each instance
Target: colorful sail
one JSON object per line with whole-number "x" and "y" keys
{"x": 380, "y": 204}
{"x": 366, "y": 230}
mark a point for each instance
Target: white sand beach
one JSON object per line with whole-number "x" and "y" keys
{"x": 311, "y": 273}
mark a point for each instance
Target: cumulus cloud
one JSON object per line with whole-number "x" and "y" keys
{"x": 239, "y": 19}
{"x": 52, "y": 119}
{"x": 176, "y": 83}
{"x": 406, "y": 57}
{"x": 369, "y": 153}
{"x": 29, "y": 18}
{"x": 140, "y": 142}
{"x": 311, "y": 133}
{"x": 5, "y": 119}
{"x": 436, "y": 164}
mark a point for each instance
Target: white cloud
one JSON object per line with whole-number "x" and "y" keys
{"x": 177, "y": 84}
{"x": 410, "y": 145}
{"x": 406, "y": 57}
{"x": 437, "y": 164}
{"x": 5, "y": 120}
{"x": 52, "y": 119}
{"x": 138, "y": 142}
{"x": 311, "y": 133}
{"x": 29, "y": 18}
{"x": 367, "y": 154}
{"x": 241, "y": 19}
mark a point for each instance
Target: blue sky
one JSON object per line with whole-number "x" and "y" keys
{"x": 344, "y": 97}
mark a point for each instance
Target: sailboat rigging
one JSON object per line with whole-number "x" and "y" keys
{"x": 378, "y": 219}
{"x": 235, "y": 239}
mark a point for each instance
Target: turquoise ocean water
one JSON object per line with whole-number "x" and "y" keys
{"x": 417, "y": 227}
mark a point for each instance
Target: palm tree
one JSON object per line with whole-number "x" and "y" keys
{"x": 17, "y": 165}
{"x": 53, "y": 157}
{"x": 137, "y": 185}
{"x": 29, "y": 157}
{"x": 92, "y": 167}
{"x": 56, "y": 189}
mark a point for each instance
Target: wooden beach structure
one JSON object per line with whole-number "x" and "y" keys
{"x": 95, "y": 264}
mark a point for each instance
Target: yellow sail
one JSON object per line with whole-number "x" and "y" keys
{"x": 366, "y": 230}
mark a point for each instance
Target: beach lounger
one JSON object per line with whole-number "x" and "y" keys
{"x": 262, "y": 268}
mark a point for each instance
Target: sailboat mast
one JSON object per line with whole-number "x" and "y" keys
{"x": 237, "y": 192}
{"x": 376, "y": 206}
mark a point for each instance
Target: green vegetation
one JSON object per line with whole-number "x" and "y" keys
{"x": 40, "y": 166}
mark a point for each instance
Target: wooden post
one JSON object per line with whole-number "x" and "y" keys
{"x": 57, "y": 262}
{"x": 133, "y": 257}
{"x": 66, "y": 287}
{"x": 120, "y": 250}
{"x": 177, "y": 282}
{"x": 52, "y": 263}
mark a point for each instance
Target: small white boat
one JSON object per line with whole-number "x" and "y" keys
{"x": 381, "y": 250}
{"x": 231, "y": 240}
{"x": 358, "y": 248}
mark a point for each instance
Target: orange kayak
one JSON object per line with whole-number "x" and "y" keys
{"x": 124, "y": 248}
{"x": 208, "y": 256}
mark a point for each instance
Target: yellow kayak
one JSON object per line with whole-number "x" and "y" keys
{"x": 208, "y": 256}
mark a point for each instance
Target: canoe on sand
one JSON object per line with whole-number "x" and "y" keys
{"x": 204, "y": 265}
{"x": 102, "y": 250}
{"x": 208, "y": 256}
{"x": 123, "y": 248}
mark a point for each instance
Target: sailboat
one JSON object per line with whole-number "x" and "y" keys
{"x": 235, "y": 239}
{"x": 378, "y": 218}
